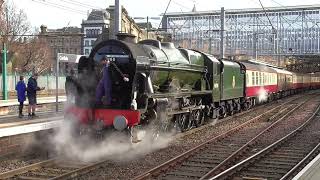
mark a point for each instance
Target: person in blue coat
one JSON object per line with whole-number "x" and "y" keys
{"x": 32, "y": 94}
{"x": 21, "y": 94}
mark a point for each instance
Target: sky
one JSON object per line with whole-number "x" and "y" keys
{"x": 61, "y": 13}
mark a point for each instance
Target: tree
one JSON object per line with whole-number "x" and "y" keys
{"x": 33, "y": 55}
{"x": 26, "y": 53}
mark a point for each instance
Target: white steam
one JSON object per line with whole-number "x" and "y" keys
{"x": 263, "y": 95}
{"x": 115, "y": 146}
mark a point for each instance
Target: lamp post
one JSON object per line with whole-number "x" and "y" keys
{"x": 153, "y": 18}
{"x": 4, "y": 72}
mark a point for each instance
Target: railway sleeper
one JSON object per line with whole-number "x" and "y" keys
{"x": 58, "y": 170}
{"x": 172, "y": 177}
{"x": 216, "y": 161}
{"x": 257, "y": 175}
{"x": 205, "y": 165}
{"x": 215, "y": 154}
{"x": 284, "y": 156}
{"x": 42, "y": 174}
{"x": 296, "y": 154}
{"x": 209, "y": 160}
{"x": 224, "y": 147}
{"x": 270, "y": 162}
{"x": 31, "y": 178}
{"x": 295, "y": 151}
{"x": 194, "y": 169}
{"x": 187, "y": 174}
{"x": 267, "y": 170}
{"x": 280, "y": 166}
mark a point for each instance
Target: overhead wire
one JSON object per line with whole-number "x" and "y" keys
{"x": 80, "y": 4}
{"x": 63, "y": 7}
{"x": 165, "y": 12}
{"x": 59, "y": 6}
{"x": 266, "y": 14}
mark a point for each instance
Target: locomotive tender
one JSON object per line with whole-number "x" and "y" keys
{"x": 171, "y": 86}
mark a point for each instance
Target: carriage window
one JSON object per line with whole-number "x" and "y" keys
{"x": 257, "y": 78}
{"x": 247, "y": 79}
{"x": 253, "y": 78}
{"x": 260, "y": 78}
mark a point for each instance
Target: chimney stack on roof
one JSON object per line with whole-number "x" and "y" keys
{"x": 43, "y": 29}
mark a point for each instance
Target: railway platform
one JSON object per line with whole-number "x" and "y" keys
{"x": 40, "y": 100}
{"x": 11, "y": 106}
{"x": 17, "y": 134}
{"x": 311, "y": 171}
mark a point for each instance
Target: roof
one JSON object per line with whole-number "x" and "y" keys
{"x": 257, "y": 67}
{"x": 282, "y": 71}
{"x": 98, "y": 14}
{"x": 143, "y": 25}
{"x": 242, "y": 11}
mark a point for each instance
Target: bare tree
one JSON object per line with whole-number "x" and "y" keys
{"x": 34, "y": 55}
{"x": 26, "y": 53}
{"x": 14, "y": 24}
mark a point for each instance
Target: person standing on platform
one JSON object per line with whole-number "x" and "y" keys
{"x": 21, "y": 94}
{"x": 32, "y": 94}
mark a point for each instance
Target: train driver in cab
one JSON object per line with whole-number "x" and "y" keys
{"x": 104, "y": 88}
{"x": 103, "y": 91}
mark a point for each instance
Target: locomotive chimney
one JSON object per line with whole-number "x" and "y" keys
{"x": 126, "y": 37}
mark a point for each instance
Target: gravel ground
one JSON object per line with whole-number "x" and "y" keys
{"x": 296, "y": 119}
{"x": 134, "y": 167}
{"x": 10, "y": 163}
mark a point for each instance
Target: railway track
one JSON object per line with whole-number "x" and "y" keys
{"x": 282, "y": 159}
{"x": 217, "y": 154}
{"x": 59, "y": 169}
{"x": 51, "y": 169}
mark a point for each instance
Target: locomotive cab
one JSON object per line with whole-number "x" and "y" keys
{"x": 121, "y": 72}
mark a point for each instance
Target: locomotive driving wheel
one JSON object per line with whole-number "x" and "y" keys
{"x": 198, "y": 115}
{"x": 183, "y": 121}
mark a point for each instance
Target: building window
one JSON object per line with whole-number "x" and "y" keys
{"x": 86, "y": 43}
{"x": 86, "y": 51}
{"x": 92, "y": 42}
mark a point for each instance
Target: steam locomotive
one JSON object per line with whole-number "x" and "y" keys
{"x": 173, "y": 87}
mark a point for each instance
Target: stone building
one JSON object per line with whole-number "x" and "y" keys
{"x": 98, "y": 21}
{"x": 65, "y": 40}
{"x": 99, "y": 26}
{"x": 128, "y": 25}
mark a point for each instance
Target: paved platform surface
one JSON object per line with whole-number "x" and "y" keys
{"x": 12, "y": 125}
{"x": 311, "y": 171}
{"x": 40, "y": 100}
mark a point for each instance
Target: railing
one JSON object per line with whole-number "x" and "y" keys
{"x": 47, "y": 81}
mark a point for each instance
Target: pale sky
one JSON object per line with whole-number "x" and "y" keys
{"x": 40, "y": 12}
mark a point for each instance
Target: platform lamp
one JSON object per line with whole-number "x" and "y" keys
{"x": 153, "y": 18}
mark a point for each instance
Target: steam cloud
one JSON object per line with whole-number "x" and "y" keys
{"x": 263, "y": 95}
{"x": 115, "y": 146}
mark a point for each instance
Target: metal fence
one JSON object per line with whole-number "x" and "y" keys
{"x": 47, "y": 81}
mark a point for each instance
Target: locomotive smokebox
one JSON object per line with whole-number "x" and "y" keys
{"x": 126, "y": 37}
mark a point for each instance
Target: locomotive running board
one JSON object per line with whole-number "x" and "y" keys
{"x": 180, "y": 94}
